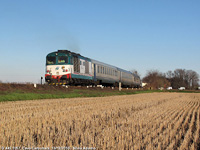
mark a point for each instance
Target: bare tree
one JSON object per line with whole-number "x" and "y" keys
{"x": 192, "y": 79}
{"x": 169, "y": 74}
{"x": 183, "y": 77}
{"x": 179, "y": 79}
{"x": 156, "y": 79}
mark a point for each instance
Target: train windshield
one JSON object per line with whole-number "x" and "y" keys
{"x": 51, "y": 60}
{"x": 62, "y": 59}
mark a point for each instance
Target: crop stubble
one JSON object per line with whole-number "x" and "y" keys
{"x": 143, "y": 121}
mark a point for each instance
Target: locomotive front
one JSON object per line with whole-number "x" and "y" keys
{"x": 58, "y": 67}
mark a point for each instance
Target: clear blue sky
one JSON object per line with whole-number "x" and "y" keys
{"x": 130, "y": 34}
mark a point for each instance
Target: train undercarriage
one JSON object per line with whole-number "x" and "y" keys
{"x": 64, "y": 80}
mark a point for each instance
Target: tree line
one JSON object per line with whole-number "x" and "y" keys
{"x": 175, "y": 79}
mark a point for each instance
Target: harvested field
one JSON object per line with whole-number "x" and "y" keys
{"x": 143, "y": 121}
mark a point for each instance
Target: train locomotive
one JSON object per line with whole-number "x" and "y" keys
{"x": 69, "y": 68}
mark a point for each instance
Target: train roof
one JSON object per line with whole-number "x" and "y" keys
{"x": 122, "y": 70}
{"x": 99, "y": 62}
{"x": 66, "y": 52}
{"x": 69, "y": 52}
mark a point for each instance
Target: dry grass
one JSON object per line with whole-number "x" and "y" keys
{"x": 143, "y": 121}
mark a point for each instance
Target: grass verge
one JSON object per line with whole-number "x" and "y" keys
{"x": 21, "y": 95}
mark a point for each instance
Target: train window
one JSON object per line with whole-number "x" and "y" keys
{"x": 51, "y": 60}
{"x": 83, "y": 63}
{"x": 103, "y": 70}
{"x": 62, "y": 59}
{"x": 98, "y": 69}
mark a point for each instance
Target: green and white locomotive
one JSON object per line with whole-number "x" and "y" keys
{"x": 65, "y": 67}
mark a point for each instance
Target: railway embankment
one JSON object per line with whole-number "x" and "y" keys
{"x": 17, "y": 92}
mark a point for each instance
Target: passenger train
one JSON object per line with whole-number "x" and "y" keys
{"x": 69, "y": 68}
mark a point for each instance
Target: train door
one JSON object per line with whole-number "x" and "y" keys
{"x": 86, "y": 67}
{"x": 82, "y": 66}
{"x": 90, "y": 68}
{"x": 95, "y": 72}
{"x": 76, "y": 63}
{"x": 133, "y": 79}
